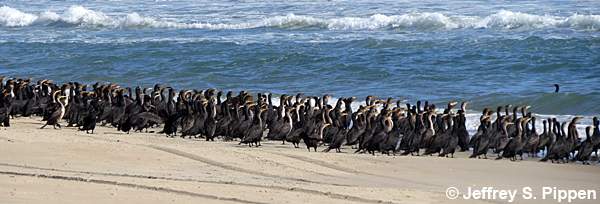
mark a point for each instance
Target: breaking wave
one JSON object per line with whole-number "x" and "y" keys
{"x": 507, "y": 20}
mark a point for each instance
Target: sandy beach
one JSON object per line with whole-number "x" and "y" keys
{"x": 515, "y": 77}
{"x": 68, "y": 166}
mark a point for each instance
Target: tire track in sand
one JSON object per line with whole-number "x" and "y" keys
{"x": 273, "y": 187}
{"x": 238, "y": 169}
{"x": 216, "y": 163}
{"x": 344, "y": 169}
{"x": 274, "y": 161}
{"x": 301, "y": 158}
{"x": 231, "y": 167}
{"x": 129, "y": 185}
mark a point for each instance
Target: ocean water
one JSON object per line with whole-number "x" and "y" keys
{"x": 489, "y": 53}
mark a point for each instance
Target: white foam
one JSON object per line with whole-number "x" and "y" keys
{"x": 591, "y": 22}
{"x": 511, "y": 20}
{"x": 79, "y": 15}
{"x": 290, "y": 20}
{"x": 48, "y": 16}
{"x": 11, "y": 17}
{"x": 82, "y": 15}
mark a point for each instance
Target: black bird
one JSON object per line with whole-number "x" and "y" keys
{"x": 383, "y": 127}
{"x": 394, "y": 138}
{"x": 415, "y": 138}
{"x": 496, "y": 127}
{"x": 338, "y": 141}
{"x": 224, "y": 120}
{"x": 430, "y": 134}
{"x": 255, "y": 131}
{"x": 573, "y": 137}
{"x": 440, "y": 136}
{"x": 511, "y": 128}
{"x": 514, "y": 146}
{"x": 89, "y": 121}
{"x": 550, "y": 137}
{"x": 482, "y": 142}
{"x": 281, "y": 126}
{"x": 343, "y": 121}
{"x": 587, "y": 147}
{"x": 315, "y": 135}
{"x": 171, "y": 124}
{"x": 451, "y": 143}
{"x": 51, "y": 106}
{"x": 559, "y": 150}
{"x": 298, "y": 131}
{"x": 117, "y": 110}
{"x": 5, "y": 104}
{"x": 596, "y": 135}
{"x": 461, "y": 128}
{"x": 556, "y": 88}
{"x": 532, "y": 142}
{"x": 359, "y": 126}
{"x": 139, "y": 121}
{"x": 314, "y": 123}
{"x": 57, "y": 115}
{"x": 211, "y": 121}
{"x": 486, "y": 113}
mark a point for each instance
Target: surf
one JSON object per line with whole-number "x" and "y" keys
{"x": 77, "y": 15}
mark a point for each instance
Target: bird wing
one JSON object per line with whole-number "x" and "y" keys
{"x": 148, "y": 116}
{"x": 55, "y": 114}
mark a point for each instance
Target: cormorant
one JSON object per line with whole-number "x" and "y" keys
{"x": 587, "y": 147}
{"x": 450, "y": 145}
{"x": 253, "y": 134}
{"x": 559, "y": 150}
{"x": 89, "y": 121}
{"x": 481, "y": 144}
{"x": 514, "y": 146}
{"x": 533, "y": 140}
{"x": 461, "y": 128}
{"x": 57, "y": 115}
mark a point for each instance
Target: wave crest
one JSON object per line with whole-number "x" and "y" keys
{"x": 14, "y": 18}
{"x": 81, "y": 16}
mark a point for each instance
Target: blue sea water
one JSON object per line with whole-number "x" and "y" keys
{"x": 486, "y": 52}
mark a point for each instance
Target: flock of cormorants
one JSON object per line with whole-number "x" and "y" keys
{"x": 378, "y": 125}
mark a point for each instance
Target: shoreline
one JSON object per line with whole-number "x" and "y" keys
{"x": 64, "y": 166}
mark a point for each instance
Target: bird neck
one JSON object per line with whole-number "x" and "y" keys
{"x": 545, "y": 131}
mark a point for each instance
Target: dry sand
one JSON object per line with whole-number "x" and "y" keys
{"x": 68, "y": 166}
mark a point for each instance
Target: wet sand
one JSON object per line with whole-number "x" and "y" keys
{"x": 69, "y": 166}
